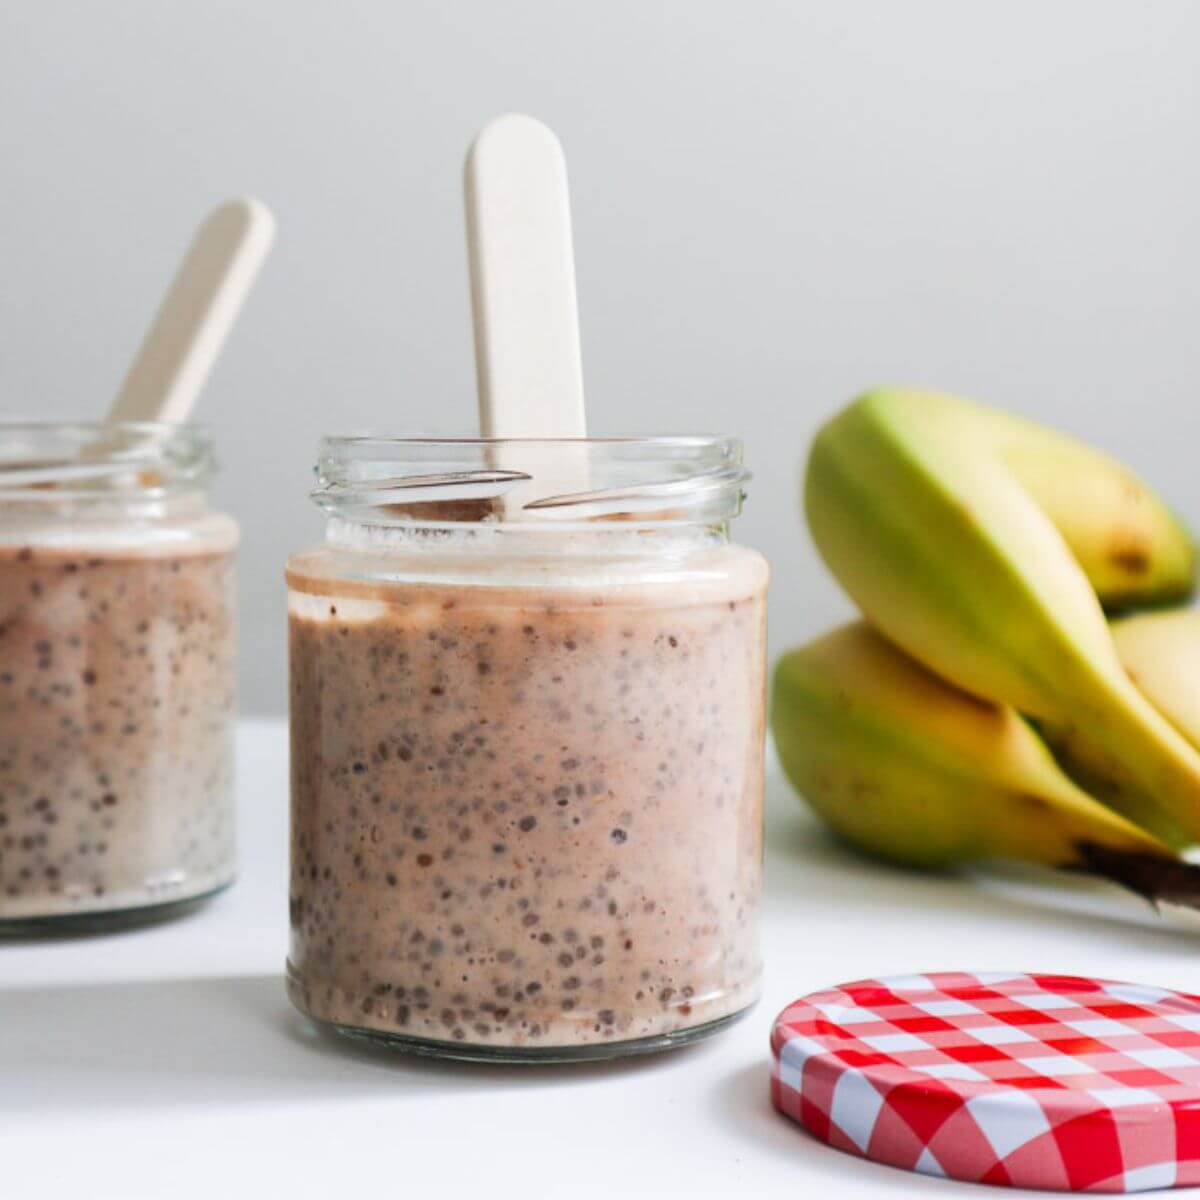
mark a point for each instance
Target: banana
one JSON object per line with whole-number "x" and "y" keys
{"x": 1160, "y": 652}
{"x": 1131, "y": 547}
{"x": 909, "y": 768}
{"x": 938, "y": 516}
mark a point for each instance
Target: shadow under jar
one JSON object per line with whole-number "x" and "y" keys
{"x": 116, "y": 676}
{"x": 527, "y": 747}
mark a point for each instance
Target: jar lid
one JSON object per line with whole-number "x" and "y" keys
{"x": 1043, "y": 1081}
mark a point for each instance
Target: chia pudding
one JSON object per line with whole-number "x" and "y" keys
{"x": 526, "y": 819}
{"x": 116, "y": 704}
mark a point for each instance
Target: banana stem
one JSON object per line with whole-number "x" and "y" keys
{"x": 1150, "y": 876}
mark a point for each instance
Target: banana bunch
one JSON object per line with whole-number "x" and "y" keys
{"x": 983, "y": 550}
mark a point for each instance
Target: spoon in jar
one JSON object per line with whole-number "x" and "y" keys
{"x": 196, "y": 315}
{"x": 180, "y": 347}
{"x": 527, "y": 354}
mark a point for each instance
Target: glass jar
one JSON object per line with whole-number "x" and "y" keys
{"x": 527, "y": 691}
{"x": 116, "y": 675}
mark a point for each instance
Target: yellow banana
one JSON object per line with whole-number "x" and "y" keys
{"x": 1131, "y": 547}
{"x": 1160, "y": 652}
{"x": 946, "y": 524}
{"x": 909, "y": 768}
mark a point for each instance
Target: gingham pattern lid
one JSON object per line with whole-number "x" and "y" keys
{"x": 1045, "y": 1081}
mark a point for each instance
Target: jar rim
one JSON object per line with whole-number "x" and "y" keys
{"x": 58, "y": 460}
{"x": 665, "y": 440}
{"x": 94, "y": 425}
{"x": 427, "y": 482}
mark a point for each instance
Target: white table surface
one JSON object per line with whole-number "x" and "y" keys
{"x": 167, "y": 1062}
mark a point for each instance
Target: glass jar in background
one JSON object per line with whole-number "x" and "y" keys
{"x": 116, "y": 675}
{"x": 527, "y": 754}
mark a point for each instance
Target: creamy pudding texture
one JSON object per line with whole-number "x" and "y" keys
{"x": 116, "y": 708}
{"x": 527, "y": 816}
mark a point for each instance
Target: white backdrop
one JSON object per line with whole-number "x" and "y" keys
{"x": 777, "y": 203}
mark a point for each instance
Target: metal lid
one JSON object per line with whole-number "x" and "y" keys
{"x": 1045, "y": 1081}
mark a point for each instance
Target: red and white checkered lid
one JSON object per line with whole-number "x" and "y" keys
{"x": 1045, "y": 1081}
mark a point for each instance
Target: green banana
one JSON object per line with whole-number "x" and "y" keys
{"x": 909, "y": 768}
{"x": 944, "y": 522}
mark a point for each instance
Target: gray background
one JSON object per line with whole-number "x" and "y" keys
{"x": 776, "y": 205}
